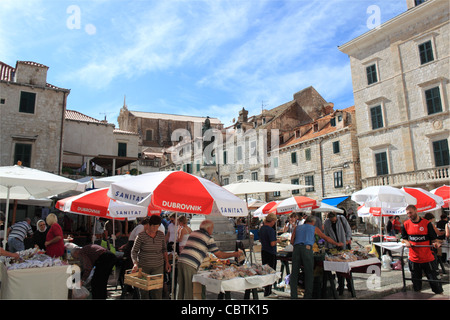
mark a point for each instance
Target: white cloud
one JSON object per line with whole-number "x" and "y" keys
{"x": 162, "y": 37}
{"x": 205, "y": 57}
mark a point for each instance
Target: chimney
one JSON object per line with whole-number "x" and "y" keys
{"x": 32, "y": 73}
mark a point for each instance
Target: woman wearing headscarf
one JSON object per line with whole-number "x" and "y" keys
{"x": 40, "y": 235}
{"x": 54, "y": 241}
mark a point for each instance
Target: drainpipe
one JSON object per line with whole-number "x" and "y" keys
{"x": 63, "y": 116}
{"x": 321, "y": 168}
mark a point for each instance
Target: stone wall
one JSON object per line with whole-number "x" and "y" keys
{"x": 408, "y": 131}
{"x": 42, "y": 129}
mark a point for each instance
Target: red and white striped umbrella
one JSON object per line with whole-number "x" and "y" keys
{"x": 426, "y": 201}
{"x": 295, "y": 204}
{"x": 178, "y": 191}
{"x": 264, "y": 209}
{"x": 444, "y": 193}
{"x": 97, "y": 203}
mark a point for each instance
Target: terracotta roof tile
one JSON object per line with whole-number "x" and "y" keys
{"x": 310, "y": 134}
{"x": 78, "y": 116}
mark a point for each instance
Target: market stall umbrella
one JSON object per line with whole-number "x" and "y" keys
{"x": 383, "y": 197}
{"x": 96, "y": 203}
{"x": 255, "y": 203}
{"x": 18, "y": 182}
{"x": 178, "y": 191}
{"x": 323, "y": 207}
{"x": 295, "y": 204}
{"x": 264, "y": 209}
{"x": 364, "y": 211}
{"x": 105, "y": 182}
{"x": 246, "y": 187}
{"x": 444, "y": 193}
{"x": 426, "y": 201}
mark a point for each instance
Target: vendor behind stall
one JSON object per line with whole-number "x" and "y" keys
{"x": 94, "y": 255}
{"x": 40, "y": 234}
{"x": 54, "y": 241}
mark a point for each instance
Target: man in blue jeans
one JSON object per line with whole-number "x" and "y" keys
{"x": 17, "y": 234}
{"x": 303, "y": 239}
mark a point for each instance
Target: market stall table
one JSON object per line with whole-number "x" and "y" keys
{"x": 45, "y": 283}
{"x": 346, "y": 269}
{"x": 234, "y": 284}
{"x": 285, "y": 257}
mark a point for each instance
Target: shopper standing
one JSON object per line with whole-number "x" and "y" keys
{"x": 268, "y": 239}
{"x": 303, "y": 239}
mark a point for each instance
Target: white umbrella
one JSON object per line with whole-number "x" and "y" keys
{"x": 327, "y": 208}
{"x": 105, "y": 182}
{"x": 384, "y": 197}
{"x": 178, "y": 191}
{"x": 17, "y": 182}
{"x": 255, "y": 203}
{"x": 250, "y": 187}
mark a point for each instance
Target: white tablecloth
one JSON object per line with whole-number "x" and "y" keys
{"x": 34, "y": 283}
{"x": 393, "y": 246}
{"x": 235, "y": 284}
{"x": 346, "y": 267}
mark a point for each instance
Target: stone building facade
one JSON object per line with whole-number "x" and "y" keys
{"x": 159, "y": 132}
{"x": 323, "y": 155}
{"x": 96, "y": 147}
{"x": 31, "y": 117}
{"x": 400, "y": 73}
{"x": 249, "y": 141}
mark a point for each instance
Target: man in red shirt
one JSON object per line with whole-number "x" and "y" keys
{"x": 418, "y": 235}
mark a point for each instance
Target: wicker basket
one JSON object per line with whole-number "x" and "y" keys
{"x": 143, "y": 280}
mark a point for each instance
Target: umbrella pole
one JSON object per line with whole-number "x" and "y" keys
{"x": 5, "y": 237}
{"x": 95, "y": 229}
{"x": 173, "y": 255}
{"x": 250, "y": 242}
{"x": 381, "y": 225}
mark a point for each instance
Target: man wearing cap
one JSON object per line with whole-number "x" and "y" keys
{"x": 303, "y": 239}
{"x": 268, "y": 239}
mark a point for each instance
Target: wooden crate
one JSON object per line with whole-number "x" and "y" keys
{"x": 143, "y": 280}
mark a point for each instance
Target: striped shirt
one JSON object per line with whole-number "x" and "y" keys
{"x": 197, "y": 246}
{"x": 20, "y": 230}
{"x": 148, "y": 251}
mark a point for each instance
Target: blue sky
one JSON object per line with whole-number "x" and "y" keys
{"x": 192, "y": 57}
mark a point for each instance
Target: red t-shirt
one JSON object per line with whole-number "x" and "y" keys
{"x": 419, "y": 233}
{"x": 56, "y": 249}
